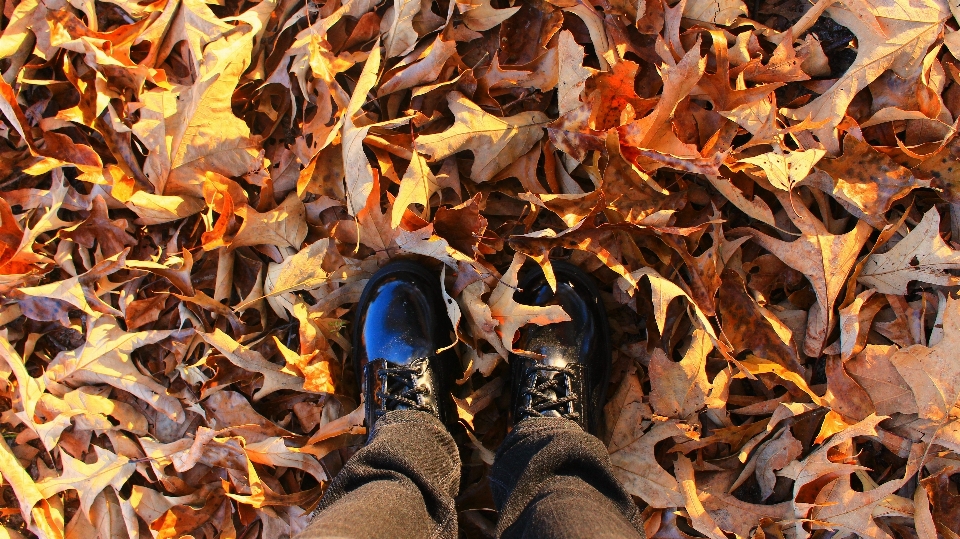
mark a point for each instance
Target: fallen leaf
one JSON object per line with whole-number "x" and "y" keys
{"x": 920, "y": 256}
{"x": 105, "y": 358}
{"x": 681, "y": 387}
{"x": 110, "y": 470}
{"x": 495, "y": 142}
{"x": 932, "y": 374}
{"x": 784, "y": 171}
{"x": 637, "y": 469}
{"x": 284, "y": 226}
{"x": 274, "y": 379}
{"x": 824, "y": 258}
{"x": 897, "y": 41}
{"x": 510, "y": 315}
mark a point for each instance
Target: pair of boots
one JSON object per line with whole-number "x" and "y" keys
{"x": 551, "y": 476}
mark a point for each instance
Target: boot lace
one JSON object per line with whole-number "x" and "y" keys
{"x": 548, "y": 392}
{"x": 399, "y": 388}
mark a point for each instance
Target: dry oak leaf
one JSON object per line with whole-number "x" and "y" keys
{"x": 480, "y": 320}
{"x": 285, "y": 226}
{"x": 920, "y": 256}
{"x": 358, "y": 174}
{"x": 179, "y": 277}
{"x": 424, "y": 242}
{"x": 636, "y": 467}
{"x": 110, "y": 470}
{"x": 877, "y": 375}
{"x": 424, "y": 70}
{"x": 756, "y": 365}
{"x": 462, "y": 226}
{"x": 662, "y": 293}
{"x": 784, "y": 65}
{"x": 715, "y": 11}
{"x": 510, "y": 315}
{"x": 784, "y": 171}
{"x": 773, "y": 456}
{"x": 274, "y": 452}
{"x": 373, "y": 226}
{"x": 397, "y": 27}
{"x": 741, "y": 518}
{"x": 821, "y": 462}
{"x": 933, "y": 374}
{"x": 824, "y": 258}
{"x": 495, "y": 142}
{"x": 612, "y": 91}
{"x": 573, "y": 75}
{"x": 30, "y": 390}
{"x": 191, "y": 130}
{"x": 839, "y": 507}
{"x": 274, "y": 377}
{"x": 911, "y": 26}
{"x": 681, "y": 388}
{"x": 25, "y": 489}
{"x": 302, "y": 271}
{"x": 182, "y": 20}
{"x": 844, "y": 395}
{"x": 699, "y": 518}
{"x": 865, "y": 181}
{"x": 479, "y": 15}
{"x": 748, "y": 326}
{"x": 654, "y": 131}
{"x": 227, "y": 408}
{"x": 156, "y": 209}
{"x": 110, "y": 235}
{"x": 416, "y": 187}
{"x": 316, "y": 374}
{"x": 626, "y": 411}
{"x": 105, "y": 359}
{"x": 10, "y": 235}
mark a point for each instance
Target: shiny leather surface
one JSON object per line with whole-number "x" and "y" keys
{"x": 401, "y": 323}
{"x": 397, "y": 324}
{"x": 581, "y": 345}
{"x": 564, "y": 342}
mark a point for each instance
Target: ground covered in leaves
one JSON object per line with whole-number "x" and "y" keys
{"x": 193, "y": 194}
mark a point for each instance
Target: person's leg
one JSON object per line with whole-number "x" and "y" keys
{"x": 551, "y": 479}
{"x": 401, "y": 484}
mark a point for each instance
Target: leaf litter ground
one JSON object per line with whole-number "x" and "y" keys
{"x": 193, "y": 195}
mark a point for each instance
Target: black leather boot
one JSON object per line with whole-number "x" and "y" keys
{"x": 400, "y": 324}
{"x": 571, "y": 379}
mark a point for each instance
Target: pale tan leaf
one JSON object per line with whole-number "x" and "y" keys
{"x": 933, "y": 374}
{"x": 573, "y": 75}
{"x": 681, "y": 387}
{"x": 784, "y": 171}
{"x": 110, "y": 470}
{"x": 510, "y": 315}
{"x": 397, "y": 27}
{"x": 105, "y": 359}
{"x": 910, "y": 27}
{"x": 921, "y": 255}
{"x": 495, "y": 142}
{"x": 274, "y": 379}
{"x": 479, "y": 15}
{"x": 720, "y": 12}
{"x": 699, "y": 518}
{"x": 285, "y": 226}
{"x": 638, "y": 471}
{"x": 416, "y": 187}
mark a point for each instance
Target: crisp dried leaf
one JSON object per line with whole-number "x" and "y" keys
{"x": 920, "y": 256}
{"x": 510, "y": 315}
{"x": 495, "y": 142}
